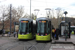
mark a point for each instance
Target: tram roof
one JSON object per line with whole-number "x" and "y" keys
{"x": 43, "y": 18}
{"x": 25, "y": 19}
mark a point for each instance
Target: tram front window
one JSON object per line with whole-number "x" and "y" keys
{"x": 24, "y": 27}
{"x": 42, "y": 27}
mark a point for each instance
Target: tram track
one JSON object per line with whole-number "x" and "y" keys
{"x": 32, "y": 46}
{"x": 24, "y": 45}
{"x": 35, "y": 46}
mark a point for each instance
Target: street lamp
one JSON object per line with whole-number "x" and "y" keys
{"x": 30, "y": 8}
{"x": 65, "y": 24}
{"x": 65, "y": 15}
{"x": 36, "y": 10}
{"x": 10, "y": 17}
{"x": 58, "y": 11}
{"x": 48, "y": 11}
{"x": 3, "y": 21}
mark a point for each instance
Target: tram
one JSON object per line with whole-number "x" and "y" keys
{"x": 25, "y": 28}
{"x": 43, "y": 32}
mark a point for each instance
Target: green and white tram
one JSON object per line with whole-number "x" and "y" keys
{"x": 43, "y": 29}
{"x": 25, "y": 28}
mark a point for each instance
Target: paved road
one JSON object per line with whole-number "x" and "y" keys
{"x": 12, "y": 43}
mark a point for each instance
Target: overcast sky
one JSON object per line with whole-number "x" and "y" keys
{"x": 68, "y": 5}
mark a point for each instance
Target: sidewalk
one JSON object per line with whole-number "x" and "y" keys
{"x": 7, "y": 35}
{"x": 62, "y": 39}
{"x": 61, "y": 44}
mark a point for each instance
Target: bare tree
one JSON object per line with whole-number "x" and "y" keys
{"x": 26, "y": 16}
{"x": 59, "y": 14}
{"x": 16, "y": 13}
{"x": 33, "y": 16}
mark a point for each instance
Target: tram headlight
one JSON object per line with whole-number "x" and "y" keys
{"x": 37, "y": 33}
{"x": 46, "y": 34}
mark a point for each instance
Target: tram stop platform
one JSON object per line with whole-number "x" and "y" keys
{"x": 61, "y": 40}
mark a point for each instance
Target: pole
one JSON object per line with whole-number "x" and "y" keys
{"x": 58, "y": 20}
{"x": 65, "y": 26}
{"x": 30, "y": 8}
{"x": 3, "y": 25}
{"x": 48, "y": 14}
{"x": 10, "y": 18}
{"x": 65, "y": 17}
{"x": 36, "y": 12}
{"x": 65, "y": 21}
{"x": 3, "y": 20}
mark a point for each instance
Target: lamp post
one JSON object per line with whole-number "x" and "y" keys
{"x": 36, "y": 12}
{"x": 48, "y": 14}
{"x": 65, "y": 26}
{"x": 65, "y": 15}
{"x": 30, "y": 8}
{"x": 58, "y": 11}
{"x": 3, "y": 21}
{"x": 10, "y": 18}
{"x": 65, "y": 18}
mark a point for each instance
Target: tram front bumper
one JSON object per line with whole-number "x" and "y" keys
{"x": 27, "y": 36}
{"x": 43, "y": 38}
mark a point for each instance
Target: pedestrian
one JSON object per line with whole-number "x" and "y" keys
{"x": 53, "y": 33}
{"x": 15, "y": 33}
{"x": 9, "y": 34}
{"x": 3, "y": 32}
{"x": 57, "y": 33}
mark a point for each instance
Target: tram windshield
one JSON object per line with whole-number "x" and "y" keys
{"x": 42, "y": 27}
{"x": 24, "y": 26}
